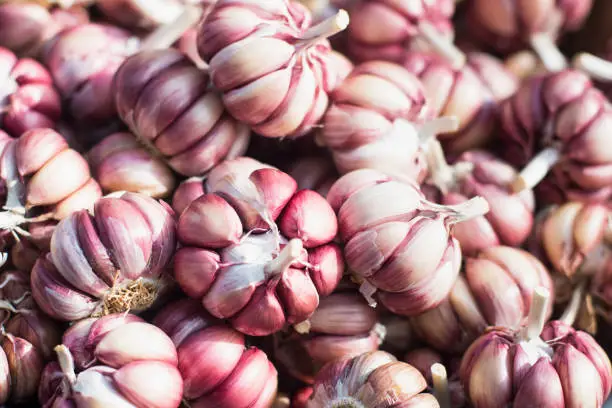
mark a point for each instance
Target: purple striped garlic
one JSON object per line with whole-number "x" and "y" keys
{"x": 397, "y": 242}
{"x": 109, "y": 261}
{"x": 273, "y": 67}
{"x": 468, "y": 86}
{"x": 120, "y": 163}
{"x": 45, "y": 181}
{"x": 495, "y": 289}
{"x": 116, "y": 361}
{"x": 28, "y": 99}
{"x": 169, "y": 105}
{"x": 409, "y": 25}
{"x": 343, "y": 325}
{"x": 558, "y": 122}
{"x": 479, "y": 173}
{"x": 217, "y": 367}
{"x": 255, "y": 250}
{"x": 541, "y": 364}
{"x": 370, "y": 380}
{"x": 365, "y": 130}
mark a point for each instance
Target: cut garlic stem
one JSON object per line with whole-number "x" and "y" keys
{"x": 327, "y": 27}
{"x": 289, "y": 254}
{"x": 548, "y": 52}
{"x": 302, "y": 327}
{"x": 429, "y": 130}
{"x": 440, "y": 173}
{"x": 443, "y": 47}
{"x": 440, "y": 385}
{"x": 571, "y": 311}
{"x": 464, "y": 211}
{"x": 368, "y": 290}
{"x": 536, "y": 170}
{"x": 167, "y": 34}
{"x": 66, "y": 363}
{"x": 597, "y": 68}
{"x": 537, "y": 313}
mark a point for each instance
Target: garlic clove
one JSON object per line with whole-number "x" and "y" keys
{"x": 587, "y": 345}
{"x": 195, "y": 270}
{"x": 104, "y": 325}
{"x": 186, "y": 193}
{"x": 42, "y": 332}
{"x": 394, "y": 381}
{"x": 151, "y": 384}
{"x": 74, "y": 171}
{"x": 89, "y": 242}
{"x": 351, "y": 183}
{"x": 25, "y": 365}
{"x": 263, "y": 314}
{"x": 439, "y": 327}
{"x": 209, "y": 221}
{"x": 580, "y": 380}
{"x": 56, "y": 297}
{"x": 5, "y": 378}
{"x": 541, "y": 386}
{"x": 94, "y": 388}
{"x": 242, "y": 388}
{"x": 199, "y": 359}
{"x": 232, "y": 289}
{"x": 161, "y": 220}
{"x": 71, "y": 261}
{"x": 297, "y": 294}
{"x": 35, "y": 148}
{"x": 124, "y": 344}
{"x": 343, "y": 314}
{"x": 269, "y": 392}
{"x": 323, "y": 349}
{"x": 309, "y": 217}
{"x": 492, "y": 366}
{"x": 82, "y": 199}
{"x": 276, "y": 188}
{"x": 75, "y": 338}
{"x": 328, "y": 268}
{"x": 125, "y": 233}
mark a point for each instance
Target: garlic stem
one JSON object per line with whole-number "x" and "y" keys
{"x": 6, "y": 305}
{"x": 571, "y": 311}
{"x": 368, "y": 290}
{"x": 537, "y": 314}
{"x": 66, "y": 362}
{"x": 547, "y": 50}
{"x": 443, "y": 47}
{"x": 429, "y": 130}
{"x": 597, "y": 68}
{"x": 440, "y": 173}
{"x": 472, "y": 208}
{"x": 380, "y": 331}
{"x": 440, "y": 385}
{"x": 302, "y": 327}
{"x": 327, "y": 27}
{"x": 536, "y": 170}
{"x": 289, "y": 254}
{"x": 167, "y": 34}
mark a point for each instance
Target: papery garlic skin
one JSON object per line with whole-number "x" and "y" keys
{"x": 117, "y": 368}
{"x": 110, "y": 261}
{"x": 496, "y": 289}
{"x": 216, "y": 366}
{"x": 255, "y": 250}
{"x": 371, "y": 380}
{"x": 275, "y": 74}
{"x": 169, "y": 105}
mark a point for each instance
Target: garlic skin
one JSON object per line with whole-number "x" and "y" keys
{"x": 506, "y": 27}
{"x": 256, "y": 251}
{"x": 82, "y": 61}
{"x": 561, "y": 117}
{"x": 216, "y": 366}
{"x": 120, "y": 369}
{"x": 273, "y": 67}
{"x": 120, "y": 163}
{"x": 181, "y": 120}
{"x": 471, "y": 91}
{"x": 388, "y": 226}
{"x": 110, "y": 261}
{"x": 565, "y": 368}
{"x": 367, "y": 41}
{"x": 28, "y": 99}
{"x": 495, "y": 289}
{"x": 364, "y": 130}
{"x": 371, "y": 380}
{"x": 343, "y": 325}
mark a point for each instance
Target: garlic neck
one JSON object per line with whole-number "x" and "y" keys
{"x": 286, "y": 257}
{"x": 66, "y": 363}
